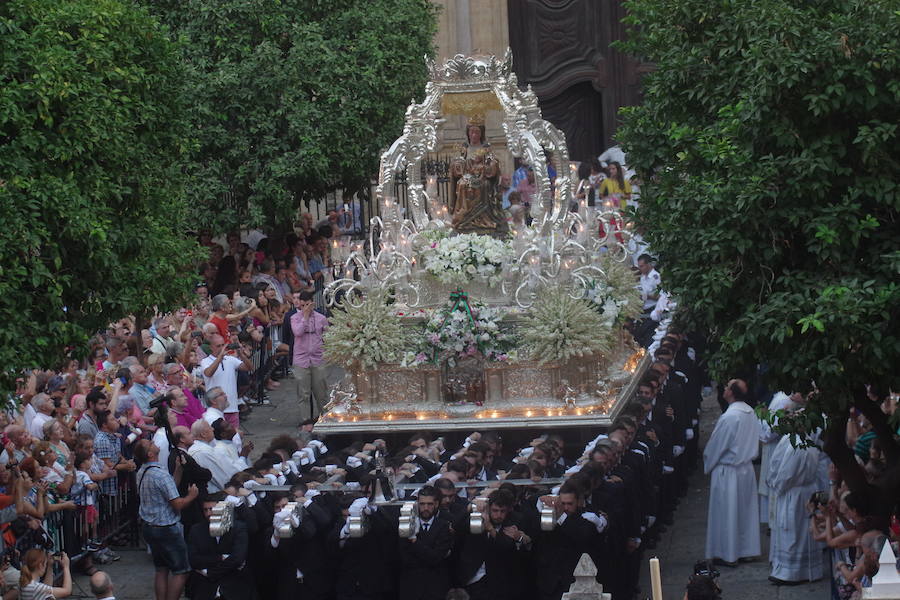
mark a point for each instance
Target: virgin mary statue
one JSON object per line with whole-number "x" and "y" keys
{"x": 475, "y": 203}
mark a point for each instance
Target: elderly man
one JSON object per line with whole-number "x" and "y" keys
{"x": 220, "y": 370}
{"x": 101, "y": 586}
{"x": 159, "y": 505}
{"x": 221, "y": 468}
{"x": 173, "y": 373}
{"x": 163, "y": 342}
{"x": 223, "y": 315}
{"x": 141, "y": 392}
{"x": 21, "y": 441}
{"x": 43, "y": 406}
{"x": 116, "y": 351}
{"x": 733, "y": 521}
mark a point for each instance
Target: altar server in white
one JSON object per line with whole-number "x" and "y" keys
{"x": 732, "y": 529}
{"x": 793, "y": 477}
{"x": 770, "y": 439}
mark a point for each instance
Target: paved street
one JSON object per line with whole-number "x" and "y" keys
{"x": 684, "y": 543}
{"x": 133, "y": 575}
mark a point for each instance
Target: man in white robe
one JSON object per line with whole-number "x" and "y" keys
{"x": 793, "y": 477}
{"x": 732, "y": 529}
{"x": 770, "y": 439}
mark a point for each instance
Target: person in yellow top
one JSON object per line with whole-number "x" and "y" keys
{"x": 616, "y": 186}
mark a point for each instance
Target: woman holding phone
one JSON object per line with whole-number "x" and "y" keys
{"x": 36, "y": 581}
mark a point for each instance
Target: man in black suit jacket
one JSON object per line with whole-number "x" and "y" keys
{"x": 424, "y": 558}
{"x": 557, "y": 552}
{"x": 218, "y": 562}
{"x": 492, "y": 564}
{"x": 362, "y": 564}
{"x": 303, "y": 569}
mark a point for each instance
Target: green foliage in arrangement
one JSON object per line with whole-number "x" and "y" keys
{"x": 558, "y": 327}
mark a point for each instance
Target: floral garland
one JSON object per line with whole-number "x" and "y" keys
{"x": 463, "y": 330}
{"x": 559, "y": 327}
{"x": 365, "y": 335}
{"x": 461, "y": 258}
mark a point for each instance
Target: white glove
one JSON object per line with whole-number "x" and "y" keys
{"x": 329, "y": 469}
{"x": 271, "y": 478}
{"x": 677, "y": 451}
{"x": 353, "y": 462}
{"x": 651, "y": 519}
{"x": 345, "y": 531}
{"x": 297, "y": 457}
{"x": 688, "y": 434}
{"x": 251, "y": 484}
{"x": 236, "y": 500}
{"x": 356, "y": 508}
{"x": 598, "y": 520}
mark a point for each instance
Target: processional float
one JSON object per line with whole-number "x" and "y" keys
{"x": 481, "y": 293}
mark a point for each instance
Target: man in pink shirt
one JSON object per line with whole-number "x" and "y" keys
{"x": 308, "y": 327}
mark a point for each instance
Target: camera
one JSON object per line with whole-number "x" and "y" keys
{"x": 196, "y": 334}
{"x": 233, "y": 346}
{"x": 705, "y": 568}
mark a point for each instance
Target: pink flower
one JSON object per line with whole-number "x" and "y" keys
{"x": 434, "y": 338}
{"x": 420, "y": 357}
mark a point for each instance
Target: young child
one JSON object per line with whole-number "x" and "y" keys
{"x": 84, "y": 494}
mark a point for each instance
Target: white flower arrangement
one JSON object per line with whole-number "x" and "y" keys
{"x": 559, "y": 327}
{"x": 616, "y": 296}
{"x": 365, "y": 335}
{"x": 450, "y": 336}
{"x": 461, "y": 258}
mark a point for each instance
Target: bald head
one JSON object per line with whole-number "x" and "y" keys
{"x": 201, "y": 430}
{"x": 735, "y": 391}
{"x": 101, "y": 585}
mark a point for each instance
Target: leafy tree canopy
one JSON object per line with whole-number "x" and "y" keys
{"x": 293, "y": 99}
{"x": 769, "y": 149}
{"x": 92, "y": 141}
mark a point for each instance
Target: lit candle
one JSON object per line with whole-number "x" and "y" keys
{"x": 655, "y": 579}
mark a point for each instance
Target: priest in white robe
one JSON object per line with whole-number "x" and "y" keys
{"x": 769, "y": 439}
{"x": 732, "y": 530}
{"x": 793, "y": 477}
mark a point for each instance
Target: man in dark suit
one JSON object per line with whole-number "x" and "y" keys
{"x": 424, "y": 558}
{"x": 558, "y": 551}
{"x": 492, "y": 564}
{"x": 303, "y": 569}
{"x": 362, "y": 564}
{"x": 218, "y": 562}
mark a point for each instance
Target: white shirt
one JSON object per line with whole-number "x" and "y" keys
{"x": 222, "y": 469}
{"x": 36, "y": 429}
{"x": 212, "y": 414}
{"x": 162, "y": 442}
{"x": 28, "y": 412}
{"x": 225, "y": 377}
{"x": 648, "y": 286}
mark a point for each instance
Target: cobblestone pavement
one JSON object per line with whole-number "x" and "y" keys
{"x": 685, "y": 542}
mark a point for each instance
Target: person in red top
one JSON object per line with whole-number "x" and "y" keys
{"x": 223, "y": 315}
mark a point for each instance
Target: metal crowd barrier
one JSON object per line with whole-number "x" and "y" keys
{"x": 115, "y": 515}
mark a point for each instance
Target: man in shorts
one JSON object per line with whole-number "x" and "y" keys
{"x": 159, "y": 511}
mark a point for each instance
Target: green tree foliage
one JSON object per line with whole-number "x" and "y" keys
{"x": 769, "y": 149}
{"x": 92, "y": 141}
{"x": 292, "y": 99}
